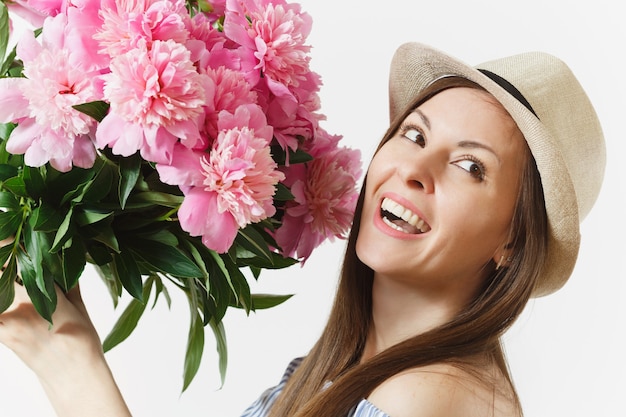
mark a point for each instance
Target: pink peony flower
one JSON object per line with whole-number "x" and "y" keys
{"x": 131, "y": 24}
{"x": 235, "y": 183}
{"x": 49, "y": 128}
{"x": 228, "y": 91}
{"x": 294, "y": 122}
{"x": 157, "y": 95}
{"x": 325, "y": 197}
{"x": 273, "y": 46}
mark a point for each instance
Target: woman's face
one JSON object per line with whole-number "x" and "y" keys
{"x": 441, "y": 192}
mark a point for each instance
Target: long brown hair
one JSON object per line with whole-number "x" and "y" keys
{"x": 475, "y": 331}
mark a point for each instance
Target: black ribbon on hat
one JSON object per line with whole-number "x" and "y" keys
{"x": 510, "y": 88}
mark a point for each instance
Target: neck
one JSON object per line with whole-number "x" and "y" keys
{"x": 401, "y": 311}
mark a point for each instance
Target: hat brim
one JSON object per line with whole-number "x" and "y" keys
{"x": 415, "y": 66}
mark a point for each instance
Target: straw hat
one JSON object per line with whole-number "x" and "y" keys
{"x": 557, "y": 119}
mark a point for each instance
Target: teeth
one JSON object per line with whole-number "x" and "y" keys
{"x": 405, "y": 214}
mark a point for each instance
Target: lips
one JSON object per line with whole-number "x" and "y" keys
{"x": 401, "y": 218}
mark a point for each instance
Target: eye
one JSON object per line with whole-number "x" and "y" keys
{"x": 413, "y": 134}
{"x": 473, "y": 166}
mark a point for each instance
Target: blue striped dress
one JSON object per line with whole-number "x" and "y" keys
{"x": 261, "y": 407}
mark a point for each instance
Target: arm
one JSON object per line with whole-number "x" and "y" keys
{"x": 66, "y": 357}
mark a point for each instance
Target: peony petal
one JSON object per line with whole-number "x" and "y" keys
{"x": 53, "y": 32}
{"x": 28, "y": 48}
{"x": 158, "y": 146}
{"x": 187, "y": 131}
{"x": 36, "y": 155}
{"x": 23, "y": 136}
{"x": 184, "y": 169}
{"x": 130, "y": 140}
{"x": 13, "y": 105}
{"x": 198, "y": 215}
{"x": 84, "y": 152}
{"x": 108, "y": 130}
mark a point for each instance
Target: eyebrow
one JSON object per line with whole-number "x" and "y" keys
{"x": 470, "y": 144}
{"x": 467, "y": 144}
{"x": 422, "y": 116}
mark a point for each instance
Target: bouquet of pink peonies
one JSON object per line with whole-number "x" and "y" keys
{"x": 169, "y": 143}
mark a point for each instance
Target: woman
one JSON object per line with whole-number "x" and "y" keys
{"x": 471, "y": 206}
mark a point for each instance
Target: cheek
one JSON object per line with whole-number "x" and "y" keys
{"x": 481, "y": 226}
{"x": 365, "y": 247}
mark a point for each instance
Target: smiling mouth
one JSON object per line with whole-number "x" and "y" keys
{"x": 401, "y": 218}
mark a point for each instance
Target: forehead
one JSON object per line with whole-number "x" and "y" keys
{"x": 467, "y": 104}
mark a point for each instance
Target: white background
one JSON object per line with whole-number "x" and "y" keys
{"x": 567, "y": 352}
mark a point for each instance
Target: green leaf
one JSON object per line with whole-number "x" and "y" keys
{"x": 75, "y": 183}
{"x": 277, "y": 262}
{"x": 90, "y": 216}
{"x": 95, "y": 109}
{"x": 129, "y": 273}
{"x": 33, "y": 181}
{"x": 256, "y": 272}
{"x": 166, "y": 259}
{"x": 9, "y": 223}
{"x": 219, "y": 262}
{"x": 4, "y": 30}
{"x": 220, "y": 288}
{"x": 295, "y": 157}
{"x": 222, "y": 348}
{"x": 264, "y": 301}
{"x": 197, "y": 255}
{"x": 45, "y": 305}
{"x": 5, "y": 252}
{"x": 111, "y": 281}
{"x": 102, "y": 232}
{"x": 283, "y": 193}
{"x": 195, "y": 347}
{"x": 64, "y": 233}
{"x": 161, "y": 289}
{"x": 162, "y": 236}
{"x": 17, "y": 186}
{"x": 7, "y": 171}
{"x": 128, "y": 320}
{"x": 74, "y": 261}
{"x": 8, "y": 201}
{"x": 98, "y": 253}
{"x": 7, "y": 284}
{"x": 102, "y": 183}
{"x": 252, "y": 240}
{"x": 47, "y": 218}
{"x": 35, "y": 244}
{"x": 241, "y": 288}
{"x": 129, "y": 173}
{"x": 83, "y": 190}
{"x": 10, "y": 67}
{"x": 158, "y": 198}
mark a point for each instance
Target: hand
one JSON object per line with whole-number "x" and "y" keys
{"x": 66, "y": 356}
{"x": 39, "y": 344}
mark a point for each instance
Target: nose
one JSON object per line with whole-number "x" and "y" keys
{"x": 418, "y": 170}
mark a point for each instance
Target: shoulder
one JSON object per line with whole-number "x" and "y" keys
{"x": 440, "y": 390}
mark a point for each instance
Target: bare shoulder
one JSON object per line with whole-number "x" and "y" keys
{"x": 441, "y": 390}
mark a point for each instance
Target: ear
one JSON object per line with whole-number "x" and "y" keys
{"x": 502, "y": 256}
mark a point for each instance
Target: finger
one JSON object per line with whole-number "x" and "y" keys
{"x": 20, "y": 321}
